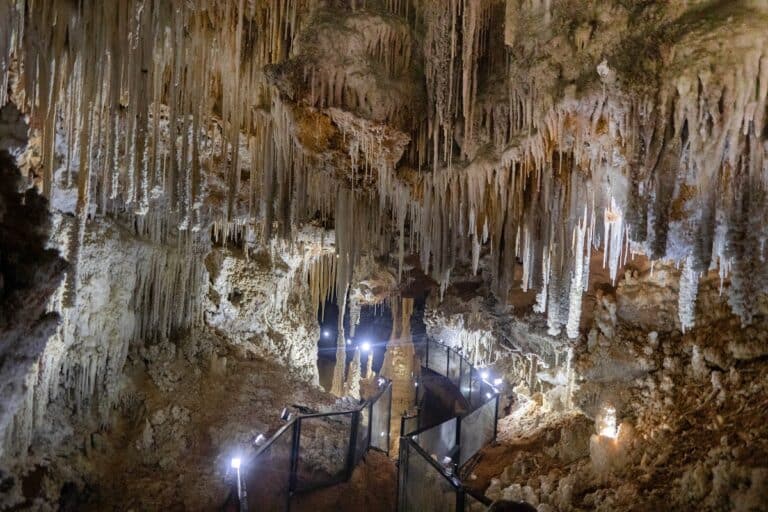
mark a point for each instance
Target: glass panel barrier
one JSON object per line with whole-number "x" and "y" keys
{"x": 466, "y": 378}
{"x": 323, "y": 450}
{"x": 423, "y": 487}
{"x": 380, "y": 420}
{"x": 454, "y": 370}
{"x": 438, "y": 440}
{"x": 477, "y": 429}
{"x": 409, "y": 424}
{"x": 361, "y": 446}
{"x": 438, "y": 358}
{"x": 480, "y": 391}
{"x": 267, "y": 476}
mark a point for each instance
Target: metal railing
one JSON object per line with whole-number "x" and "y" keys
{"x": 312, "y": 451}
{"x": 431, "y": 457}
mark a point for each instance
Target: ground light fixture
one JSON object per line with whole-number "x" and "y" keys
{"x": 484, "y": 374}
{"x": 497, "y": 382}
{"x": 285, "y": 415}
{"x": 326, "y": 333}
{"x": 365, "y": 346}
{"x": 448, "y": 465}
{"x": 235, "y": 463}
{"x": 260, "y": 440}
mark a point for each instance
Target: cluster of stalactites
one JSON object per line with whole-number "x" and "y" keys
{"x": 541, "y": 372}
{"x": 82, "y": 363}
{"x": 455, "y": 42}
{"x": 680, "y": 176}
{"x": 149, "y": 95}
{"x": 322, "y": 281}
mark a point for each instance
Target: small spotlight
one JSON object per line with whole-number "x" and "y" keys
{"x": 365, "y": 346}
{"x": 488, "y": 395}
{"x": 235, "y": 463}
{"x": 447, "y": 460}
{"x": 381, "y": 381}
{"x": 416, "y": 384}
{"x": 497, "y": 382}
{"x": 484, "y": 375}
{"x": 285, "y": 415}
{"x": 326, "y": 333}
{"x": 382, "y": 434}
{"x": 260, "y": 440}
{"x": 349, "y": 341}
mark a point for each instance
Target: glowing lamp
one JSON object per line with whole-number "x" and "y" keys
{"x": 235, "y": 463}
{"x": 607, "y": 423}
{"x": 365, "y": 346}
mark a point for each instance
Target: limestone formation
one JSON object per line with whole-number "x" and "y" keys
{"x": 575, "y": 193}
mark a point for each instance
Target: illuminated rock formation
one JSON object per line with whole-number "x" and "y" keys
{"x": 400, "y": 366}
{"x": 576, "y": 185}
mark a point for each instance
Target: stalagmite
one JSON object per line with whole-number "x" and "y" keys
{"x": 399, "y": 365}
{"x": 352, "y": 384}
{"x": 686, "y": 305}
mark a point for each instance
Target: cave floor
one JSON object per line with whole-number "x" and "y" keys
{"x": 371, "y": 488}
{"x": 702, "y": 449}
{"x": 167, "y": 449}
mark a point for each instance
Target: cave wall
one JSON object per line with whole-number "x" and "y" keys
{"x": 532, "y": 144}
{"x": 522, "y": 133}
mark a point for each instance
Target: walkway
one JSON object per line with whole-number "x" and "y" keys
{"x": 314, "y": 452}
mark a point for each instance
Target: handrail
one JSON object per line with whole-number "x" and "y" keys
{"x": 351, "y": 459}
{"x": 409, "y": 440}
{"x": 463, "y": 377}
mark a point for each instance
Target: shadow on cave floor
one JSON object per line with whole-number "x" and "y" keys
{"x": 371, "y": 488}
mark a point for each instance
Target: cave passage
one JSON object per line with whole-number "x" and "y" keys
{"x": 373, "y": 332}
{"x": 384, "y": 255}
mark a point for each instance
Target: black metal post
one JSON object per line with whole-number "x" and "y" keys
{"x": 370, "y": 420}
{"x": 293, "y": 476}
{"x": 402, "y": 470}
{"x": 242, "y": 495}
{"x": 496, "y": 418}
{"x": 389, "y": 416}
{"x": 457, "y": 442}
{"x": 352, "y": 444}
{"x": 426, "y": 363}
{"x": 460, "y": 499}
